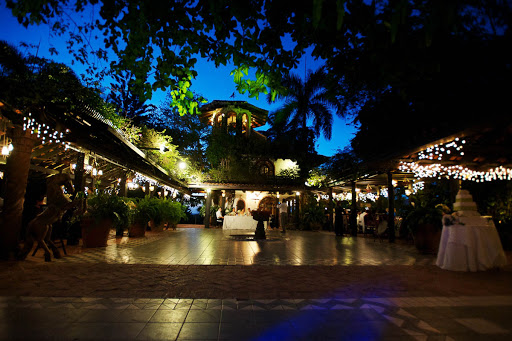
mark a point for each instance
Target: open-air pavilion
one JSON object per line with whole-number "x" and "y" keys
{"x": 196, "y": 283}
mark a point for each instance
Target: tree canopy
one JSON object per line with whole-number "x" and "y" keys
{"x": 446, "y": 62}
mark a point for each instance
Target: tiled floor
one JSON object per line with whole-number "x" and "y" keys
{"x": 216, "y": 247}
{"x": 421, "y": 318}
{"x": 199, "y": 284}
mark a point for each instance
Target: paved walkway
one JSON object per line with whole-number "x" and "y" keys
{"x": 200, "y": 284}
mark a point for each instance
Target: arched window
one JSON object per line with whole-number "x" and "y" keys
{"x": 245, "y": 121}
{"x": 232, "y": 119}
{"x": 265, "y": 168}
{"x": 240, "y": 205}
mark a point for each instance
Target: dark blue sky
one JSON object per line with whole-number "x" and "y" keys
{"x": 213, "y": 83}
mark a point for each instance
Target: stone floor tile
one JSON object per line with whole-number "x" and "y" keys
{"x": 199, "y": 331}
{"x": 169, "y": 316}
{"x": 482, "y": 326}
{"x": 160, "y": 331}
{"x": 102, "y": 331}
{"x": 203, "y": 316}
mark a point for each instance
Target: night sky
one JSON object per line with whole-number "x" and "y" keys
{"x": 212, "y": 83}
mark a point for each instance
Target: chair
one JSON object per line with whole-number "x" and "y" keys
{"x": 381, "y": 230}
{"x": 370, "y": 224}
{"x": 220, "y": 222}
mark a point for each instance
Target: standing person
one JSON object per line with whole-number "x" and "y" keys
{"x": 283, "y": 214}
{"x": 338, "y": 222}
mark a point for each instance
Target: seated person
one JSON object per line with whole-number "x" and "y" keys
{"x": 219, "y": 215}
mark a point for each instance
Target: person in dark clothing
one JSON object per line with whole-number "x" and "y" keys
{"x": 338, "y": 223}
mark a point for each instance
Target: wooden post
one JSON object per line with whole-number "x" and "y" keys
{"x": 330, "y": 222}
{"x": 391, "y": 214}
{"x": 79, "y": 182}
{"x": 223, "y": 203}
{"x": 208, "y": 205}
{"x": 353, "y": 212}
{"x": 16, "y": 177}
{"x": 296, "y": 208}
{"x": 123, "y": 190}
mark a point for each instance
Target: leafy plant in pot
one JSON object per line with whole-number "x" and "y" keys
{"x": 157, "y": 219}
{"x": 104, "y": 212}
{"x": 172, "y": 212}
{"x": 313, "y": 217}
{"x": 425, "y": 224}
{"x": 141, "y": 212}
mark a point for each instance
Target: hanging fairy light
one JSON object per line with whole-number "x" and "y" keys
{"x": 418, "y": 186}
{"x": 437, "y": 151}
{"x": 458, "y": 172}
{"x": 43, "y": 131}
{"x": 142, "y": 179}
{"x": 384, "y": 192}
{"x": 365, "y": 197}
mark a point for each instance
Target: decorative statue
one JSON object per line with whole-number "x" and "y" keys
{"x": 40, "y": 228}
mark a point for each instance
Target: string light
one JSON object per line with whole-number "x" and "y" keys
{"x": 43, "y": 131}
{"x": 437, "y": 170}
{"x": 384, "y": 192}
{"x": 142, "y": 179}
{"x": 418, "y": 186}
{"x": 437, "y": 151}
{"x": 364, "y": 197}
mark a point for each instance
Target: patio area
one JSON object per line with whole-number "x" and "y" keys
{"x": 199, "y": 284}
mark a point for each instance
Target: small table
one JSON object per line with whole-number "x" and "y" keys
{"x": 240, "y": 223}
{"x": 470, "y": 248}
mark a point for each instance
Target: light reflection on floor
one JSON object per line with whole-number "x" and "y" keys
{"x": 214, "y": 247}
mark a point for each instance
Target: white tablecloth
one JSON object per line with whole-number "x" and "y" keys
{"x": 470, "y": 248}
{"x": 240, "y": 223}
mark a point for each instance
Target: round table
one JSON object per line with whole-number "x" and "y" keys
{"x": 240, "y": 223}
{"x": 470, "y": 248}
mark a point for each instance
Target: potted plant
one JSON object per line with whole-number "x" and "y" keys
{"x": 313, "y": 217}
{"x": 104, "y": 212}
{"x": 141, "y": 212}
{"x": 172, "y": 212}
{"x": 156, "y": 222}
{"x": 425, "y": 224}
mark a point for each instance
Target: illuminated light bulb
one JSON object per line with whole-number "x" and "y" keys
{"x": 100, "y": 172}
{"x": 5, "y": 150}
{"x": 10, "y": 147}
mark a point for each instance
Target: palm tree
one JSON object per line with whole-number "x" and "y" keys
{"x": 305, "y": 101}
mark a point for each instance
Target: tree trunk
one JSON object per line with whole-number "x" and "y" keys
{"x": 16, "y": 176}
